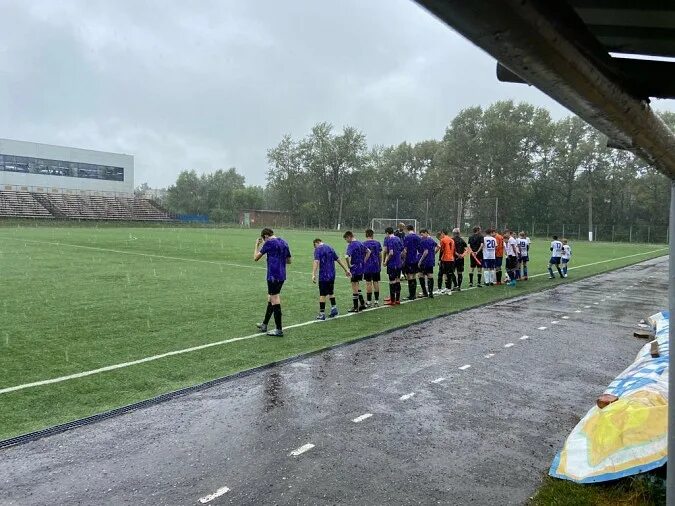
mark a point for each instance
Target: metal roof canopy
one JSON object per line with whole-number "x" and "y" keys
{"x": 562, "y": 48}
{"x": 548, "y": 45}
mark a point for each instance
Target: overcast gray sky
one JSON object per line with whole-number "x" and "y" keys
{"x": 213, "y": 84}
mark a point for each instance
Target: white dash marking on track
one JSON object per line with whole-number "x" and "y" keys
{"x": 362, "y": 417}
{"x": 438, "y": 380}
{"x": 301, "y": 450}
{"x": 565, "y": 317}
{"x": 587, "y": 307}
{"x": 465, "y": 367}
{"x": 508, "y": 345}
{"x": 524, "y": 337}
{"x": 596, "y": 303}
{"x": 542, "y": 328}
{"x": 406, "y": 396}
{"x": 555, "y": 322}
{"x": 578, "y": 311}
{"x": 489, "y": 355}
{"x": 211, "y": 497}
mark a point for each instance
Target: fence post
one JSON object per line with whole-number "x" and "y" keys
{"x": 630, "y": 234}
{"x": 579, "y": 233}
{"x": 563, "y": 234}
{"x": 649, "y": 233}
{"x": 612, "y": 233}
{"x": 547, "y": 230}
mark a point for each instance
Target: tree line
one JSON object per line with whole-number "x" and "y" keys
{"x": 509, "y": 161}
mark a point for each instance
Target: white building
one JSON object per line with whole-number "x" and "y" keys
{"x": 43, "y": 168}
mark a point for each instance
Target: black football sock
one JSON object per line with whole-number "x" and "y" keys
{"x": 332, "y": 302}
{"x": 452, "y": 282}
{"x": 377, "y": 296}
{"x": 361, "y": 301}
{"x": 430, "y": 284}
{"x": 412, "y": 288}
{"x": 322, "y": 307}
{"x": 355, "y": 300}
{"x": 277, "y": 315}
{"x": 423, "y": 286}
{"x": 398, "y": 291}
{"x": 471, "y": 278}
{"x": 392, "y": 291}
{"x": 268, "y": 313}
{"x": 460, "y": 278}
{"x": 479, "y": 276}
{"x": 440, "y": 278}
{"x": 559, "y": 271}
{"x": 369, "y": 296}
{"x": 499, "y": 276}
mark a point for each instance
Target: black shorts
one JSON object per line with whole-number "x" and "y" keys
{"x": 498, "y": 263}
{"x": 326, "y": 287}
{"x": 425, "y": 271}
{"x": 372, "y": 276}
{"x": 511, "y": 262}
{"x": 274, "y": 287}
{"x": 475, "y": 264}
{"x": 459, "y": 265}
{"x": 410, "y": 269}
{"x": 394, "y": 273}
{"x": 357, "y": 278}
{"x": 555, "y": 261}
{"x": 446, "y": 267}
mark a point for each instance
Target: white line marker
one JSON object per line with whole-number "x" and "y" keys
{"x": 362, "y": 417}
{"x": 225, "y": 341}
{"x": 596, "y": 303}
{"x": 489, "y": 355}
{"x": 211, "y": 497}
{"x": 508, "y": 345}
{"x": 465, "y": 367}
{"x": 578, "y": 311}
{"x": 406, "y": 396}
{"x": 438, "y": 380}
{"x": 542, "y": 328}
{"x": 565, "y": 317}
{"x": 301, "y": 450}
{"x": 587, "y": 307}
{"x": 555, "y": 322}
{"x": 524, "y": 337}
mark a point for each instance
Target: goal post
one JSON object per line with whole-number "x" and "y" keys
{"x": 379, "y": 224}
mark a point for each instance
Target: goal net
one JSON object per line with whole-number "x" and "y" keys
{"x": 379, "y": 224}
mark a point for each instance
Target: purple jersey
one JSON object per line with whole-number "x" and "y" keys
{"x": 373, "y": 263}
{"x": 326, "y": 257}
{"x": 394, "y": 246}
{"x": 356, "y": 252}
{"x": 277, "y": 252}
{"x": 412, "y": 245}
{"x": 429, "y": 245}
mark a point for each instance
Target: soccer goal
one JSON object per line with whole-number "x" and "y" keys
{"x": 379, "y": 224}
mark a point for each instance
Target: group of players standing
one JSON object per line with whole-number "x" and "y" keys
{"x": 404, "y": 254}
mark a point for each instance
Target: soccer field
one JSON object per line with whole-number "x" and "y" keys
{"x": 79, "y": 299}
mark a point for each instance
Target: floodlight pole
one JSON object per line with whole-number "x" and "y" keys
{"x": 670, "y": 477}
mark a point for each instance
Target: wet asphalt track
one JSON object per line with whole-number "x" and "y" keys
{"x": 482, "y": 435}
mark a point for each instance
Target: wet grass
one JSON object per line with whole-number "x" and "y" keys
{"x": 76, "y": 299}
{"x": 642, "y": 490}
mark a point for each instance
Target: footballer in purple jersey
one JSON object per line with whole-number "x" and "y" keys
{"x": 278, "y": 255}
{"x": 372, "y": 270}
{"x": 393, "y": 248}
{"x": 427, "y": 249}
{"x": 411, "y": 245}
{"x": 324, "y": 262}
{"x": 357, "y": 255}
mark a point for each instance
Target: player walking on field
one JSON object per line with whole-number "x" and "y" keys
{"x": 324, "y": 262}
{"x": 393, "y": 248}
{"x": 556, "y": 254}
{"x": 278, "y": 255}
{"x": 428, "y": 249}
{"x": 565, "y": 257}
{"x": 523, "y": 257}
{"x": 357, "y": 255}
{"x": 447, "y": 263}
{"x": 373, "y": 268}
{"x": 489, "y": 248}
{"x": 476, "y": 261}
{"x": 411, "y": 245}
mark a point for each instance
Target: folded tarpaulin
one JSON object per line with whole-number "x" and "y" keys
{"x": 629, "y": 436}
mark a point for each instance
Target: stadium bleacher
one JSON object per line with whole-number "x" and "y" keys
{"x": 23, "y": 204}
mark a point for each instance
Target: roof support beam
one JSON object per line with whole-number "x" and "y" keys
{"x": 548, "y": 46}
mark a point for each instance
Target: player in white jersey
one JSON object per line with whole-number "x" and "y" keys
{"x": 566, "y": 255}
{"x": 556, "y": 254}
{"x": 489, "y": 250}
{"x": 511, "y": 258}
{"x": 523, "y": 256}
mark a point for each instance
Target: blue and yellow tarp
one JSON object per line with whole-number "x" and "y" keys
{"x": 629, "y": 436}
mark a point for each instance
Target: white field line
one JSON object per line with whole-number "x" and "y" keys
{"x": 508, "y": 345}
{"x": 301, "y": 450}
{"x": 464, "y": 367}
{"x": 524, "y": 337}
{"x": 438, "y": 380}
{"x": 489, "y": 355}
{"x": 542, "y": 328}
{"x": 225, "y": 341}
{"x": 150, "y": 255}
{"x": 407, "y": 396}
{"x": 211, "y": 497}
{"x": 362, "y": 417}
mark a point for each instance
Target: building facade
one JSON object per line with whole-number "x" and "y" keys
{"x": 44, "y": 168}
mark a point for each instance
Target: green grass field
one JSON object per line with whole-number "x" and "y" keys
{"x": 78, "y": 299}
